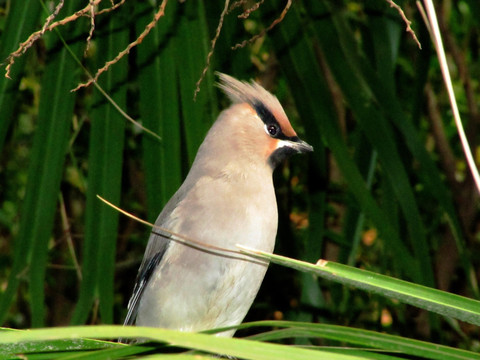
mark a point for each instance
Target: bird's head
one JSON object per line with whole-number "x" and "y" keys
{"x": 257, "y": 125}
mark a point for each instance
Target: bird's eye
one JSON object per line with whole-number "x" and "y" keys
{"x": 272, "y": 129}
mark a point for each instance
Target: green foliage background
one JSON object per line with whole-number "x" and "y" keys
{"x": 386, "y": 189}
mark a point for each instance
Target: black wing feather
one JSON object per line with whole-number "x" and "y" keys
{"x": 144, "y": 274}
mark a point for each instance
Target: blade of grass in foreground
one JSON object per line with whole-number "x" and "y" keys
{"x": 430, "y": 299}
{"x": 51, "y": 346}
{"x": 365, "y": 338}
{"x": 48, "y": 340}
{"x": 240, "y": 348}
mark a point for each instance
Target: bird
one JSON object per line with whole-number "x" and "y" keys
{"x": 192, "y": 277}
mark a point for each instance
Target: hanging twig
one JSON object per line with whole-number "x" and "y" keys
{"x": 146, "y": 31}
{"x": 114, "y": 7}
{"x": 247, "y": 12}
{"x": 236, "y": 4}
{"x": 52, "y": 16}
{"x": 262, "y": 33}
{"x": 37, "y": 34}
{"x": 406, "y": 21}
{"x": 92, "y": 28}
{"x": 212, "y": 48}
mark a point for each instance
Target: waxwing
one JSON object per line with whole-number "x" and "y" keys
{"x": 227, "y": 199}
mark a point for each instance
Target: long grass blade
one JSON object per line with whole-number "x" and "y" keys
{"x": 45, "y": 171}
{"x": 104, "y": 178}
{"x": 314, "y": 103}
{"x": 365, "y": 338}
{"x": 160, "y": 108}
{"x": 437, "y": 40}
{"x": 216, "y": 345}
{"x": 391, "y": 107}
{"x": 55, "y": 116}
{"x": 191, "y": 51}
{"x": 430, "y": 299}
{"x": 377, "y": 130}
{"x": 50, "y": 347}
{"x": 20, "y": 22}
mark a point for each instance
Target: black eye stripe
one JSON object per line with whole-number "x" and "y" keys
{"x": 265, "y": 114}
{"x": 271, "y": 124}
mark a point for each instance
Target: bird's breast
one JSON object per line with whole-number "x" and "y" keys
{"x": 194, "y": 288}
{"x": 225, "y": 211}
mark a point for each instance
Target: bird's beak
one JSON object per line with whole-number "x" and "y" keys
{"x": 300, "y": 146}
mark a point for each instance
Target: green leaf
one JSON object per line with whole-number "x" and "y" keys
{"x": 372, "y": 343}
{"x": 160, "y": 107}
{"x": 45, "y": 173}
{"x": 430, "y": 299}
{"x": 191, "y": 53}
{"x": 364, "y": 338}
{"x": 315, "y": 106}
{"x": 240, "y": 348}
{"x": 380, "y": 85}
{"x": 50, "y": 347}
{"x": 376, "y": 127}
{"x": 104, "y": 178}
{"x": 21, "y": 21}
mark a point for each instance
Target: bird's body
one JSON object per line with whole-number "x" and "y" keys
{"x": 227, "y": 199}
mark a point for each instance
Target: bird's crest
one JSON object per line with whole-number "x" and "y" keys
{"x": 255, "y": 95}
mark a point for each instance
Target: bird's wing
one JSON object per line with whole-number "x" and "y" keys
{"x": 156, "y": 248}
{"x": 149, "y": 264}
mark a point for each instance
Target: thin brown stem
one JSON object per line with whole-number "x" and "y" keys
{"x": 212, "y": 48}
{"x": 262, "y": 33}
{"x": 406, "y": 21}
{"x": 159, "y": 14}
